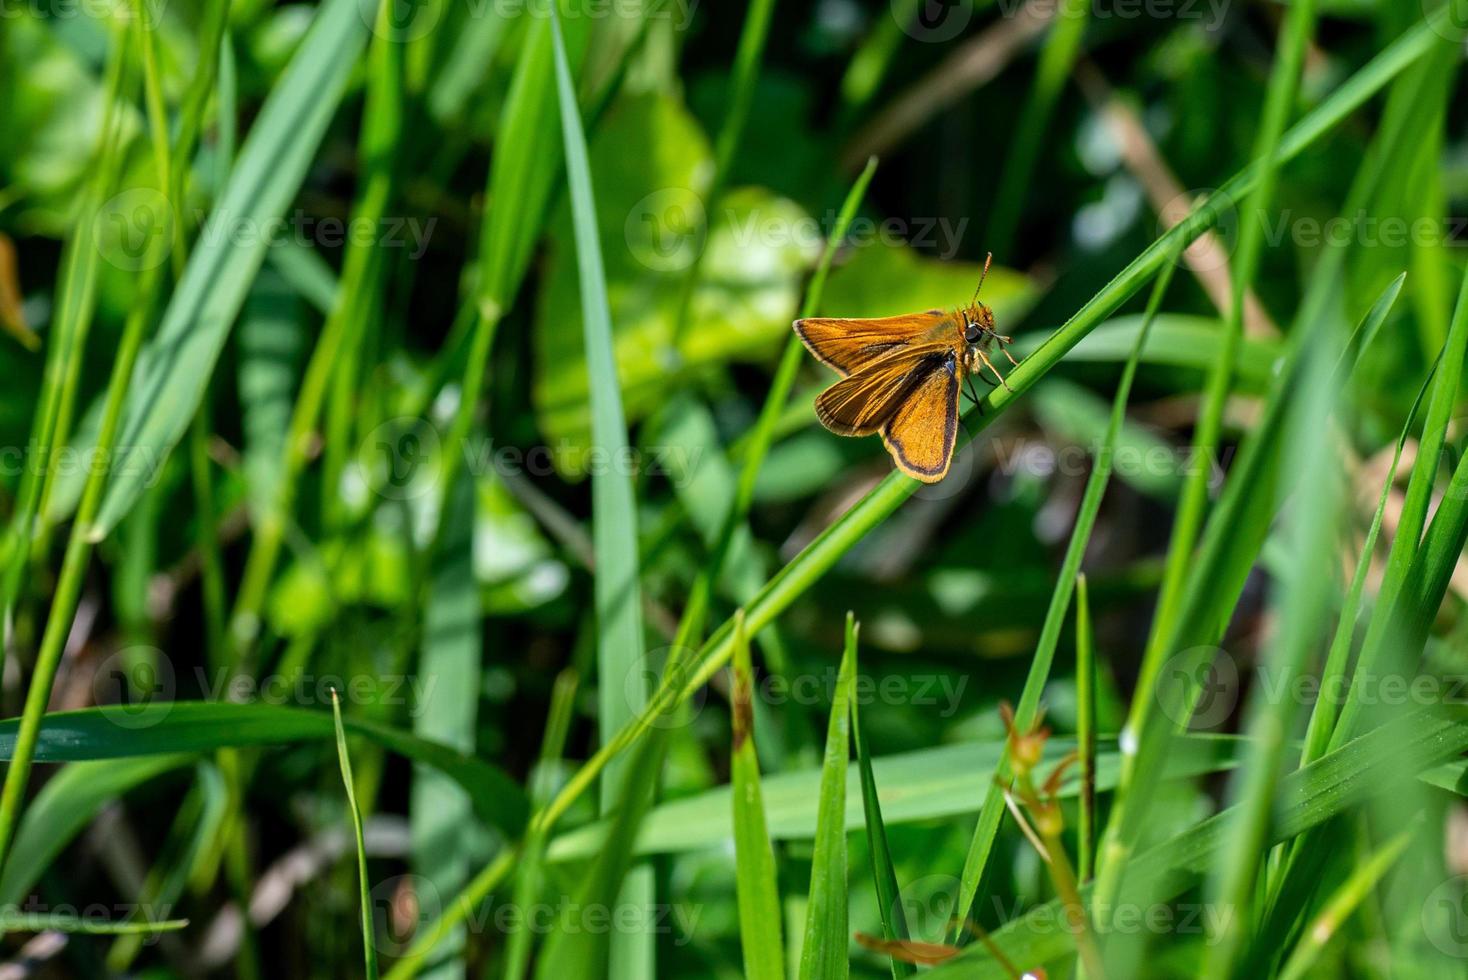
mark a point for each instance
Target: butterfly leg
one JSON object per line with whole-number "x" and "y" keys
{"x": 990, "y": 365}
{"x": 973, "y": 395}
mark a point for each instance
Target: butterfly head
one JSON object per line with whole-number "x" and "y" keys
{"x": 978, "y": 334}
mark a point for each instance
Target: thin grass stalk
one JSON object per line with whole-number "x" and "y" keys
{"x": 364, "y": 897}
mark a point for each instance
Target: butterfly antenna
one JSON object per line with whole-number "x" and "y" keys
{"x": 982, "y": 276}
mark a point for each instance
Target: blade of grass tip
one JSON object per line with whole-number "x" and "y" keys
{"x": 823, "y": 951}
{"x": 1268, "y": 156}
{"x": 690, "y": 627}
{"x": 1303, "y": 596}
{"x": 1340, "y": 906}
{"x": 1406, "y": 542}
{"x": 884, "y": 875}
{"x": 991, "y": 814}
{"x": 1057, "y": 59}
{"x": 528, "y": 868}
{"x": 369, "y": 944}
{"x": 884, "y": 499}
{"x": 1086, "y": 730}
{"x": 754, "y": 861}
{"x": 70, "y": 325}
{"x": 742, "y": 81}
{"x": 621, "y": 689}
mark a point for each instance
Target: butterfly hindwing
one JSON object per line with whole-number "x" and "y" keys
{"x": 849, "y": 345}
{"x": 921, "y": 432}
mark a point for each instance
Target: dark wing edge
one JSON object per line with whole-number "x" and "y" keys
{"x": 950, "y": 435}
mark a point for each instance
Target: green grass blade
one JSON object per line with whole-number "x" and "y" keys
{"x": 65, "y": 805}
{"x": 915, "y": 786}
{"x": 170, "y": 727}
{"x": 618, "y": 591}
{"x": 1379, "y": 642}
{"x": 884, "y": 875}
{"x": 1339, "y": 908}
{"x": 823, "y": 950}
{"x": 1085, "y": 732}
{"x": 369, "y": 942}
{"x": 528, "y": 868}
{"x": 1027, "y": 710}
{"x": 754, "y": 861}
{"x": 1365, "y": 768}
{"x": 174, "y": 371}
{"x": 1303, "y": 598}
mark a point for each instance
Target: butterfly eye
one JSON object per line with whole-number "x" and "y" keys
{"x": 972, "y": 333}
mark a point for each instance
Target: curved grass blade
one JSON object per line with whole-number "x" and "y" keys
{"x": 754, "y": 862}
{"x": 823, "y": 951}
{"x": 369, "y": 944}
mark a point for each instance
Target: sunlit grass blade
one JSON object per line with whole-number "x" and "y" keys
{"x": 754, "y": 861}
{"x": 884, "y": 875}
{"x": 1026, "y": 712}
{"x": 1339, "y": 908}
{"x": 621, "y": 687}
{"x": 1364, "y": 768}
{"x": 172, "y": 375}
{"x": 823, "y": 951}
{"x": 1302, "y": 600}
{"x": 369, "y": 943}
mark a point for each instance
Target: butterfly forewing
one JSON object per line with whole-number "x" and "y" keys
{"x": 848, "y": 346}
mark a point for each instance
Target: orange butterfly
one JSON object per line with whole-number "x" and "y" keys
{"x": 901, "y": 377}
